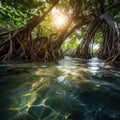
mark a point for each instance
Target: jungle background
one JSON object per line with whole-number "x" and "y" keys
{"x": 49, "y": 29}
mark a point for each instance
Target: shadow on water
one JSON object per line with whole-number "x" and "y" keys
{"x": 71, "y": 89}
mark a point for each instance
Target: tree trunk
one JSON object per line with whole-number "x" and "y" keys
{"x": 18, "y": 43}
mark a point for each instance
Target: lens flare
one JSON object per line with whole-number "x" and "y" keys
{"x": 59, "y": 18}
{"x": 60, "y": 21}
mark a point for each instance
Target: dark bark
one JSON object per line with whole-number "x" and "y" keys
{"x": 77, "y": 26}
{"x": 60, "y": 39}
{"x": 102, "y": 6}
{"x": 18, "y": 43}
{"x": 67, "y": 31}
{"x": 83, "y": 49}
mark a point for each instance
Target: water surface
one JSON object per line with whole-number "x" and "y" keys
{"x": 71, "y": 89}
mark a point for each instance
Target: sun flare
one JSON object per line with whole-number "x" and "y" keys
{"x": 60, "y": 21}
{"x": 59, "y": 18}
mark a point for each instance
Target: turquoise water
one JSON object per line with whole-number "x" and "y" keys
{"x": 71, "y": 89}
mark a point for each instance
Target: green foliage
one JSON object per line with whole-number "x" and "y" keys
{"x": 11, "y": 18}
{"x": 70, "y": 44}
{"x": 98, "y": 37}
{"x": 23, "y": 5}
{"x": 15, "y": 13}
{"x": 117, "y": 18}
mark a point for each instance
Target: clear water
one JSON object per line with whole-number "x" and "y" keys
{"x": 71, "y": 89}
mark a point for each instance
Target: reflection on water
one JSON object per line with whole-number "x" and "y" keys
{"x": 71, "y": 89}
